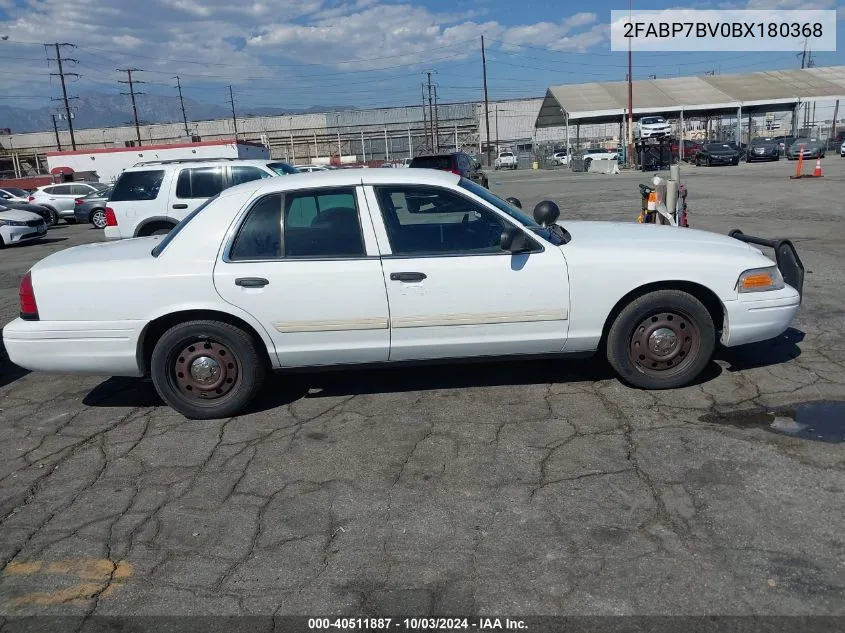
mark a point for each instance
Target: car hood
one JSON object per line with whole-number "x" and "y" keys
{"x": 652, "y": 237}
{"x": 138, "y": 248}
{"x": 17, "y": 215}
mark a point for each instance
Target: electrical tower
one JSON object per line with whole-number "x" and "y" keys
{"x": 131, "y": 83}
{"x": 61, "y": 75}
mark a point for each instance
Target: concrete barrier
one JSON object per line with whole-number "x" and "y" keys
{"x": 604, "y": 166}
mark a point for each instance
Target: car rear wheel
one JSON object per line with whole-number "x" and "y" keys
{"x": 98, "y": 218}
{"x": 587, "y": 162}
{"x": 54, "y": 217}
{"x": 661, "y": 340}
{"x": 207, "y": 369}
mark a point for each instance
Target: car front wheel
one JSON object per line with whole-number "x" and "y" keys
{"x": 661, "y": 340}
{"x": 207, "y": 369}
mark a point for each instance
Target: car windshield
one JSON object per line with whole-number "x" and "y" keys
{"x": 433, "y": 162}
{"x": 652, "y": 120}
{"x": 100, "y": 193}
{"x": 504, "y": 206}
{"x": 506, "y": 154}
{"x": 282, "y": 169}
{"x": 717, "y": 147}
{"x": 159, "y": 248}
{"x": 20, "y": 193}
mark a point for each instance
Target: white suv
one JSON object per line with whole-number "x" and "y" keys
{"x": 151, "y": 198}
{"x": 652, "y": 126}
{"x": 60, "y": 199}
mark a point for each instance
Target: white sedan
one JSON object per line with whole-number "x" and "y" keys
{"x": 365, "y": 267}
{"x": 17, "y": 226}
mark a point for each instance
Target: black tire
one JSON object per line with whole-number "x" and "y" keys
{"x": 641, "y": 361}
{"x": 237, "y": 381}
{"x": 54, "y": 216}
{"x": 97, "y": 218}
{"x": 587, "y": 163}
{"x": 708, "y": 162}
{"x": 2, "y": 243}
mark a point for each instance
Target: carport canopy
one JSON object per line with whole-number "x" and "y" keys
{"x": 710, "y": 95}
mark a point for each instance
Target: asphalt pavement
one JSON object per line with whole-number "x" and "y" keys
{"x": 523, "y": 488}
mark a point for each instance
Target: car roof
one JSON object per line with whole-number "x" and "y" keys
{"x": 347, "y": 178}
{"x": 155, "y": 165}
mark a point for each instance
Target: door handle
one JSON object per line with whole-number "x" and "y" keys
{"x": 251, "y": 282}
{"x": 180, "y": 206}
{"x": 407, "y": 276}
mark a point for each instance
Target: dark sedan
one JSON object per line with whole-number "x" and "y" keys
{"x": 717, "y": 154}
{"x": 763, "y": 149}
{"x": 45, "y": 213}
{"x": 92, "y": 208}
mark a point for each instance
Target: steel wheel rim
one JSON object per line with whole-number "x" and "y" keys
{"x": 99, "y": 219}
{"x": 665, "y": 343}
{"x": 205, "y": 370}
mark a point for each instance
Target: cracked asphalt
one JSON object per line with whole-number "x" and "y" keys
{"x": 524, "y": 488}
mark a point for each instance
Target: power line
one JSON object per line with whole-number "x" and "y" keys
{"x": 132, "y": 94}
{"x": 61, "y": 75}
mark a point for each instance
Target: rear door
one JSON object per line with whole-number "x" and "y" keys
{"x": 304, "y": 264}
{"x": 192, "y": 186}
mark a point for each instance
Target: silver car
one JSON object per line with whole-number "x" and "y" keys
{"x": 61, "y": 198}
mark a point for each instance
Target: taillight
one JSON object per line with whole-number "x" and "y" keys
{"x": 456, "y": 171}
{"x": 78, "y": 201}
{"x": 111, "y": 220}
{"x": 29, "y": 309}
{"x": 31, "y": 198}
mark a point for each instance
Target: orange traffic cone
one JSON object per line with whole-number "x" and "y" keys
{"x": 817, "y": 172}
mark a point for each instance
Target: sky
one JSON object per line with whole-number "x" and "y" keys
{"x": 364, "y": 53}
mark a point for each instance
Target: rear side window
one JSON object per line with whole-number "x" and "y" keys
{"x": 61, "y": 190}
{"x": 80, "y": 190}
{"x": 319, "y": 223}
{"x": 199, "y": 182}
{"x": 433, "y": 162}
{"x": 137, "y": 185}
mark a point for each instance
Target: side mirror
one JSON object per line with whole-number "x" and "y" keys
{"x": 514, "y": 240}
{"x": 546, "y": 213}
{"x": 515, "y": 202}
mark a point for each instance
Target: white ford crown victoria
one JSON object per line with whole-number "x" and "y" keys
{"x": 374, "y": 266}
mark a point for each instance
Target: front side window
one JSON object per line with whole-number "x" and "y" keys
{"x": 319, "y": 223}
{"x": 137, "y": 185}
{"x": 245, "y": 173}
{"x": 434, "y": 221}
{"x": 199, "y": 182}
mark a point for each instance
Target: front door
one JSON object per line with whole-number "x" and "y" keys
{"x": 453, "y": 291}
{"x": 301, "y": 264}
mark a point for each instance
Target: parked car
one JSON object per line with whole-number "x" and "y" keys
{"x": 717, "y": 154}
{"x": 505, "y": 160}
{"x": 42, "y": 212}
{"x": 402, "y": 266}
{"x": 91, "y": 209}
{"x": 61, "y": 198}
{"x": 560, "y": 157}
{"x": 597, "y": 153}
{"x": 785, "y": 142}
{"x": 842, "y": 150}
{"x": 652, "y": 126}
{"x": 17, "y": 227}
{"x": 763, "y": 149}
{"x": 456, "y": 162}
{"x": 691, "y": 148}
{"x": 812, "y": 148}
{"x": 13, "y": 194}
{"x": 152, "y": 198}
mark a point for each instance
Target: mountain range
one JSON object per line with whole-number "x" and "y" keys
{"x": 100, "y": 109}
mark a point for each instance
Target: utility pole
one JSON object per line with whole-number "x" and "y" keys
{"x": 486, "y": 101}
{"x": 436, "y": 123}
{"x": 425, "y": 119}
{"x": 182, "y": 103}
{"x": 56, "y": 130}
{"x": 630, "y": 143}
{"x": 430, "y": 109}
{"x": 497, "y": 129}
{"x": 61, "y": 75}
{"x": 131, "y": 82}
{"x": 234, "y": 116}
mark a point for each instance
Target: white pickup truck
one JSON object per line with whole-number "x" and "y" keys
{"x": 505, "y": 160}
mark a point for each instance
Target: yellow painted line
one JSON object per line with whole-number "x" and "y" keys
{"x": 85, "y": 569}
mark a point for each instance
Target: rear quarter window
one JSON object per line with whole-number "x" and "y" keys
{"x": 137, "y": 185}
